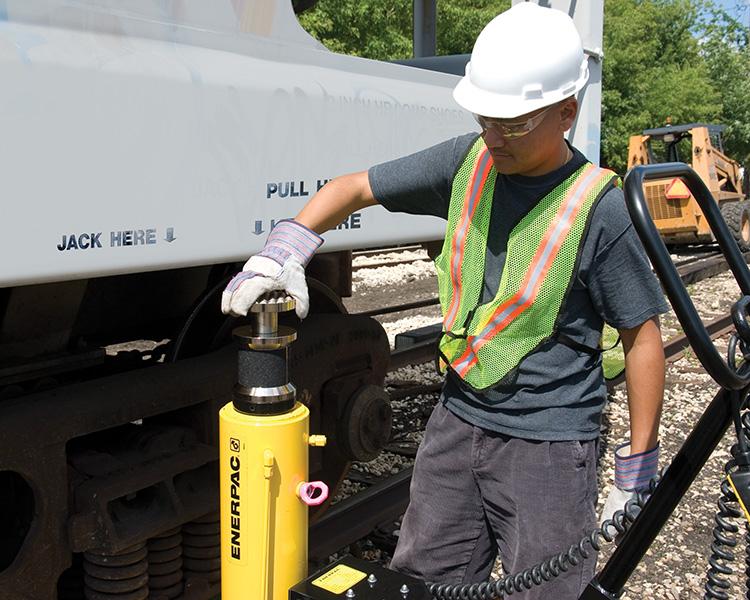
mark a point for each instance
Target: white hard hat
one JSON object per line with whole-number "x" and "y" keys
{"x": 524, "y": 59}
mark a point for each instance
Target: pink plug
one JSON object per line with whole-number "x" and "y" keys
{"x": 312, "y": 493}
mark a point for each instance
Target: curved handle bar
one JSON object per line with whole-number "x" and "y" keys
{"x": 683, "y": 306}
{"x": 740, "y": 312}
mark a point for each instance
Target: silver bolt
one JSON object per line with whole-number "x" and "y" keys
{"x": 371, "y": 578}
{"x": 404, "y": 589}
{"x": 350, "y": 593}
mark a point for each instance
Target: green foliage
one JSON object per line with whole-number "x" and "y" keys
{"x": 369, "y": 28}
{"x": 652, "y": 70}
{"x": 460, "y": 21}
{"x": 383, "y": 30}
{"x": 726, "y": 50}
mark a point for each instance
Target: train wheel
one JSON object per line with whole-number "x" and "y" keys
{"x": 737, "y": 217}
{"x": 338, "y": 365}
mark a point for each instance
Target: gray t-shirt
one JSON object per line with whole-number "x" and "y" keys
{"x": 558, "y": 392}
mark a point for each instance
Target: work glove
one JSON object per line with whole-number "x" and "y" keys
{"x": 279, "y": 266}
{"x": 632, "y": 474}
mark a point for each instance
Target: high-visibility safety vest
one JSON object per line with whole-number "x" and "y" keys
{"x": 483, "y": 343}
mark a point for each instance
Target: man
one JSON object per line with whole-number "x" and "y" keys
{"x": 539, "y": 253}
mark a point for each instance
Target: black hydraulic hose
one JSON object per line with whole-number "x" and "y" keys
{"x": 725, "y": 531}
{"x": 174, "y": 354}
{"x": 724, "y": 534}
{"x": 553, "y": 566}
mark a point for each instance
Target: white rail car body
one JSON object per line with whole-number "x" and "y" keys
{"x": 140, "y": 135}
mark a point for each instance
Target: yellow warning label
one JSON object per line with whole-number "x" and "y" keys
{"x": 677, "y": 190}
{"x": 339, "y": 579}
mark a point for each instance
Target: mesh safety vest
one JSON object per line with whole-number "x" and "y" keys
{"x": 484, "y": 343}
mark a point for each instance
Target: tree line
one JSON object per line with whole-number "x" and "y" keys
{"x": 684, "y": 60}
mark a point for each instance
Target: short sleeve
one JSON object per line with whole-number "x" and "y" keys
{"x": 623, "y": 288}
{"x": 420, "y": 183}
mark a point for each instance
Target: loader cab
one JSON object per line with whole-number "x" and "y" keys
{"x": 674, "y": 143}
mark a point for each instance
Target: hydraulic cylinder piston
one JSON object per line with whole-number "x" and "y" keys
{"x": 264, "y": 492}
{"x": 263, "y": 385}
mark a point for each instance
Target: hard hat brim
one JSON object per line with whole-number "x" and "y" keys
{"x": 499, "y": 106}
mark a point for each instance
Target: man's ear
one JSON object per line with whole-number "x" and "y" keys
{"x": 568, "y": 113}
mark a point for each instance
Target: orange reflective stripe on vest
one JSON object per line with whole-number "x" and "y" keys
{"x": 482, "y": 168}
{"x": 545, "y": 254}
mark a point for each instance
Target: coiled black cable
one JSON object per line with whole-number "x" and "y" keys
{"x": 723, "y": 543}
{"x": 725, "y": 531}
{"x": 746, "y": 433}
{"x": 551, "y": 567}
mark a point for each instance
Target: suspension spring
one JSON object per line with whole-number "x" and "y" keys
{"x": 165, "y": 565}
{"x": 122, "y": 576}
{"x": 201, "y": 548}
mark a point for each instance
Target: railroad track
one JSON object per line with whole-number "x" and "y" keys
{"x": 693, "y": 256}
{"x": 390, "y": 262}
{"x": 384, "y": 500}
{"x": 692, "y": 270}
{"x": 389, "y": 250}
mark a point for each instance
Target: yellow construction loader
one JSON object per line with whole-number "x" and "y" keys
{"x": 677, "y": 215}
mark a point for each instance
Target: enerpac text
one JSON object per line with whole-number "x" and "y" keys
{"x": 234, "y": 494}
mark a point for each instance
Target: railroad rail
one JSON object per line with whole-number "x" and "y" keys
{"x": 388, "y": 250}
{"x": 389, "y": 263}
{"x": 692, "y": 270}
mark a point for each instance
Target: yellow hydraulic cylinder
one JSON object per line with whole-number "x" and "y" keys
{"x": 264, "y": 492}
{"x": 264, "y": 460}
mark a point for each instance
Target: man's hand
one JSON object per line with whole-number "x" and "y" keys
{"x": 632, "y": 474}
{"x": 279, "y": 266}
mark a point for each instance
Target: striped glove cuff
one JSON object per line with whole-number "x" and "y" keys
{"x": 289, "y": 238}
{"x": 634, "y": 471}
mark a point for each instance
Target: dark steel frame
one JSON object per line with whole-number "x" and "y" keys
{"x": 703, "y": 439}
{"x": 424, "y": 33}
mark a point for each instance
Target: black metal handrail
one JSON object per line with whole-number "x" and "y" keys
{"x": 717, "y": 417}
{"x": 683, "y": 306}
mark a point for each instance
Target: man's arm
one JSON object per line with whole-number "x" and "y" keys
{"x": 644, "y": 378}
{"x": 290, "y": 246}
{"x": 335, "y": 201}
{"x": 637, "y": 463}
{"x": 292, "y": 243}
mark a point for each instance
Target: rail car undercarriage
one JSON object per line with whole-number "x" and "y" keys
{"x": 110, "y": 450}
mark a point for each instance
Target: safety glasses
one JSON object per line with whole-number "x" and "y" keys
{"x": 511, "y": 130}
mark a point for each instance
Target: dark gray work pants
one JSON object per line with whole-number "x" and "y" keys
{"x": 476, "y": 494}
